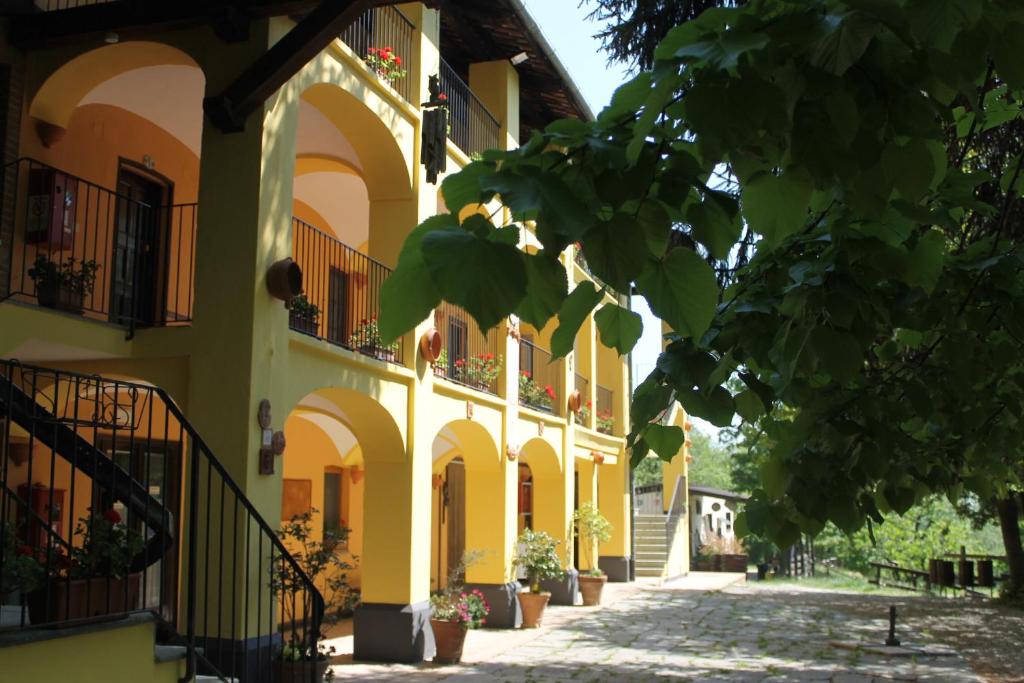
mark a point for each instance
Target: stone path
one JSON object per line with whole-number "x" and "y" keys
{"x": 675, "y": 632}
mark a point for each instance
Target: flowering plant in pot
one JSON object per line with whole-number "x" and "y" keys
{"x": 454, "y": 611}
{"x": 532, "y": 394}
{"x": 605, "y": 421}
{"x": 441, "y": 364}
{"x": 591, "y": 528}
{"x": 324, "y": 562}
{"x": 62, "y": 285}
{"x": 303, "y": 315}
{"x": 96, "y": 578}
{"x": 478, "y": 371}
{"x": 537, "y": 555}
{"x": 385, "y": 63}
{"x": 367, "y": 339}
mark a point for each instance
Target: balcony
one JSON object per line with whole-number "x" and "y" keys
{"x": 540, "y": 378}
{"x": 342, "y": 294}
{"x": 384, "y": 27}
{"x": 75, "y": 246}
{"x": 468, "y": 357}
{"x": 471, "y": 126}
{"x": 605, "y": 410}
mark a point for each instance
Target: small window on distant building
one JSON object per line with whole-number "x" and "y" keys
{"x": 332, "y": 501}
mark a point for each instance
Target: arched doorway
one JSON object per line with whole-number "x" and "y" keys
{"x": 549, "y": 496}
{"x": 473, "y": 517}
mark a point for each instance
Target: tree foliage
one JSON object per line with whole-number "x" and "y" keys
{"x": 821, "y": 198}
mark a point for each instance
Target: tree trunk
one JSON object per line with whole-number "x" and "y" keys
{"x": 1009, "y": 523}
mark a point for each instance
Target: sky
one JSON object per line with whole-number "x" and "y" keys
{"x": 567, "y": 29}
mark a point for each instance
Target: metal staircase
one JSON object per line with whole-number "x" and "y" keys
{"x": 225, "y": 591}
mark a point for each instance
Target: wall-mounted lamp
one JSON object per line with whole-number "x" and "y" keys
{"x": 518, "y": 59}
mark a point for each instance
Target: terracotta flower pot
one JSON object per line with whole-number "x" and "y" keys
{"x": 53, "y": 295}
{"x": 302, "y": 671}
{"x": 533, "y": 605}
{"x": 84, "y": 598}
{"x": 449, "y": 637}
{"x": 590, "y": 588}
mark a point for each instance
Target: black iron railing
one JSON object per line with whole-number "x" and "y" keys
{"x": 111, "y": 503}
{"x": 604, "y": 416}
{"x": 468, "y": 356}
{"x": 72, "y": 245}
{"x": 540, "y": 378}
{"x": 56, "y": 5}
{"x": 379, "y": 29}
{"x": 470, "y": 125}
{"x": 342, "y": 294}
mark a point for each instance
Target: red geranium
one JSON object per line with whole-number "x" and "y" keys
{"x": 112, "y": 516}
{"x": 550, "y": 392}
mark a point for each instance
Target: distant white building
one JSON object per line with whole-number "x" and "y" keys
{"x": 712, "y": 515}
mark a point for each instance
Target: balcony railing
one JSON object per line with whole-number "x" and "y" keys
{"x": 540, "y": 378}
{"x": 72, "y": 245}
{"x": 342, "y": 293}
{"x": 471, "y": 127}
{"x": 468, "y": 356}
{"x": 605, "y": 409}
{"x": 583, "y": 386}
{"x": 383, "y": 27}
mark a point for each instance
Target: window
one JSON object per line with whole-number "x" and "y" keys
{"x": 332, "y": 501}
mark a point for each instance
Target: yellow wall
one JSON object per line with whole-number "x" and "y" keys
{"x": 117, "y": 655}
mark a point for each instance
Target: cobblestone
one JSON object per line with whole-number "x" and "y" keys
{"x": 742, "y": 634}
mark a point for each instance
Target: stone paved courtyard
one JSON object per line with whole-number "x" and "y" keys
{"x": 698, "y": 629}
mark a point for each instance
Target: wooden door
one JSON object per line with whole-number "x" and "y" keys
{"x": 455, "y": 475}
{"x": 136, "y": 270}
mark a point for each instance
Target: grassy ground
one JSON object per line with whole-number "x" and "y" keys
{"x": 838, "y": 580}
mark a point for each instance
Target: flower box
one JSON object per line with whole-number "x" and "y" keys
{"x": 65, "y": 600}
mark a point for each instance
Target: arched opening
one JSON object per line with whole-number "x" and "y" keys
{"x": 109, "y": 183}
{"x": 352, "y": 196}
{"x": 467, "y": 512}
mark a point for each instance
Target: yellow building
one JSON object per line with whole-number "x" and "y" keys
{"x": 148, "y": 366}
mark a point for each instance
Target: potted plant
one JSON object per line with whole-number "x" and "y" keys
{"x": 605, "y": 421}
{"x": 537, "y": 555}
{"x": 303, "y": 316}
{"x": 533, "y": 395}
{"x": 366, "y": 339}
{"x": 385, "y": 63}
{"x": 95, "y": 580}
{"x": 478, "y": 371}
{"x": 441, "y": 364}
{"x": 324, "y": 562}
{"x": 591, "y": 528}
{"x": 453, "y": 612}
{"x": 61, "y": 285}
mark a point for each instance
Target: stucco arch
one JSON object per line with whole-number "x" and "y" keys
{"x": 552, "y": 498}
{"x": 541, "y": 457}
{"x": 61, "y": 92}
{"x": 386, "y": 168}
{"x": 375, "y": 431}
{"x": 324, "y": 163}
{"x": 469, "y": 440}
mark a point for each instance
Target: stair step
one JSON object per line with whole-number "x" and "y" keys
{"x": 203, "y": 678}
{"x": 170, "y": 653}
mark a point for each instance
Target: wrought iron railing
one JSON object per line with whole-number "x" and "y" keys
{"x": 540, "y": 378}
{"x": 85, "y": 459}
{"x": 342, "y": 293}
{"x": 72, "y": 245}
{"x": 471, "y": 126}
{"x": 55, "y": 5}
{"x": 605, "y": 420}
{"x": 380, "y": 28}
{"x": 468, "y": 356}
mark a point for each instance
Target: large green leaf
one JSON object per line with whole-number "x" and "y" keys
{"x": 749, "y": 405}
{"x": 725, "y": 51}
{"x": 575, "y": 309}
{"x": 546, "y": 288}
{"x": 619, "y": 328}
{"x": 408, "y": 295}
{"x": 776, "y": 206}
{"x": 838, "y": 353}
{"x": 665, "y": 441}
{"x": 682, "y": 290}
{"x": 616, "y": 250}
{"x": 909, "y": 167}
{"x": 845, "y": 39}
{"x": 924, "y": 264}
{"x": 715, "y": 223}
{"x": 463, "y": 188}
{"x": 491, "y": 288}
